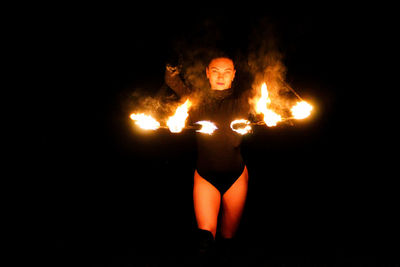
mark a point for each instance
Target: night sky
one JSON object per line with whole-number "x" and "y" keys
{"x": 119, "y": 195}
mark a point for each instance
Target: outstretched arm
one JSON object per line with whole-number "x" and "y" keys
{"x": 173, "y": 80}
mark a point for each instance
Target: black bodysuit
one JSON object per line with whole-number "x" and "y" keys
{"x": 219, "y": 160}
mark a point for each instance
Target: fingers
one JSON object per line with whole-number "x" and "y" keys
{"x": 172, "y": 70}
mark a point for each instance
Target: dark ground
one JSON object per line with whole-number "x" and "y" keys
{"x": 119, "y": 197}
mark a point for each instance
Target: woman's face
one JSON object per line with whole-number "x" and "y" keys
{"x": 220, "y": 72}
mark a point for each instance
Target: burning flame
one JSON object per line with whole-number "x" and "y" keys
{"x": 145, "y": 121}
{"x": 246, "y": 128}
{"x": 207, "y": 127}
{"x": 301, "y": 110}
{"x": 270, "y": 117}
{"x": 177, "y": 121}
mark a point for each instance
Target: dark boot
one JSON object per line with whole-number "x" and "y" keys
{"x": 205, "y": 248}
{"x": 225, "y": 251}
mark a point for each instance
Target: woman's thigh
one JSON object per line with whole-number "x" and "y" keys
{"x": 207, "y": 200}
{"x": 233, "y": 202}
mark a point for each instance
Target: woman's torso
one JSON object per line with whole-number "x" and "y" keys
{"x": 220, "y": 151}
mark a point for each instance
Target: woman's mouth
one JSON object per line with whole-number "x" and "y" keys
{"x": 219, "y": 83}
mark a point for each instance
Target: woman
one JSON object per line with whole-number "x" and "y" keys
{"x": 221, "y": 176}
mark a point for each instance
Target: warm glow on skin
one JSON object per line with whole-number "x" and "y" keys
{"x": 220, "y": 73}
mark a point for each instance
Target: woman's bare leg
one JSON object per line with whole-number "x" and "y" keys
{"x": 233, "y": 202}
{"x": 206, "y": 199}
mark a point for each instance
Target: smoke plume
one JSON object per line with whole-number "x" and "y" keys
{"x": 266, "y": 64}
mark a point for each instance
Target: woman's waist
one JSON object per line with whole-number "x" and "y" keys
{"x": 209, "y": 171}
{"x": 220, "y": 163}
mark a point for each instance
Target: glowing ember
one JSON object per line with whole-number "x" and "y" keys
{"x": 145, "y": 121}
{"x": 207, "y": 127}
{"x": 301, "y": 110}
{"x": 243, "y": 126}
{"x": 270, "y": 117}
{"x": 177, "y": 122}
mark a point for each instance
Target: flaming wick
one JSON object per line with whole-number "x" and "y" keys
{"x": 241, "y": 130}
{"x": 207, "y": 127}
{"x": 145, "y": 121}
{"x": 301, "y": 110}
{"x": 270, "y": 117}
{"x": 177, "y": 122}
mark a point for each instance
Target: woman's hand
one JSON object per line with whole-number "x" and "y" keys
{"x": 173, "y": 70}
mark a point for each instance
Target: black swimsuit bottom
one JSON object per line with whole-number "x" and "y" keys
{"x": 222, "y": 181}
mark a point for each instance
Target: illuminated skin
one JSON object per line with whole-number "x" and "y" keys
{"x": 206, "y": 198}
{"x": 220, "y": 73}
{"x": 207, "y": 202}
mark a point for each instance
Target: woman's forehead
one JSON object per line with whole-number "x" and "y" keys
{"x": 221, "y": 63}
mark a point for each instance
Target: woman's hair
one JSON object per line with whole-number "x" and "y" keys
{"x": 219, "y": 54}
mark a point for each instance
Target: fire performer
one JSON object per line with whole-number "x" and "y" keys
{"x": 221, "y": 176}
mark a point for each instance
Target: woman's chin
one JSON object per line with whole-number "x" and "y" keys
{"x": 220, "y": 87}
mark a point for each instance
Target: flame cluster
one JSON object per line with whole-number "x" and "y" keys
{"x": 270, "y": 117}
{"x": 145, "y": 122}
{"x": 241, "y": 126}
{"x": 300, "y": 110}
{"x": 176, "y": 123}
{"x": 207, "y": 127}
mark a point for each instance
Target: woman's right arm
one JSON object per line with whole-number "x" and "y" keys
{"x": 173, "y": 80}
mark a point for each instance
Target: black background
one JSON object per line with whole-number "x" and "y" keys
{"x": 116, "y": 195}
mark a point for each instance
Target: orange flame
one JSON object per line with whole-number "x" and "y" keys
{"x": 270, "y": 117}
{"x": 301, "y": 110}
{"x": 177, "y": 121}
{"x": 207, "y": 127}
{"x": 145, "y": 121}
{"x": 246, "y": 128}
